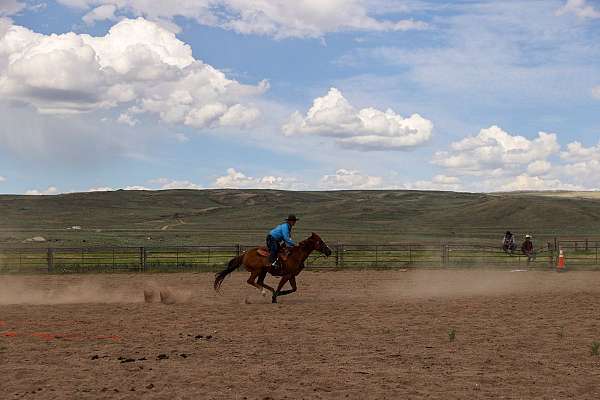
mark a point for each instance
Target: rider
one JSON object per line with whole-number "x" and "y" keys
{"x": 527, "y": 248}
{"x": 280, "y": 234}
{"x": 508, "y": 243}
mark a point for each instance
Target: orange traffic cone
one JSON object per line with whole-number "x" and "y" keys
{"x": 560, "y": 267}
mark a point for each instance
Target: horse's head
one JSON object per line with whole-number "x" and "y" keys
{"x": 320, "y": 245}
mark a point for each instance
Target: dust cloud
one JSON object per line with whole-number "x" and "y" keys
{"x": 18, "y": 290}
{"x": 421, "y": 284}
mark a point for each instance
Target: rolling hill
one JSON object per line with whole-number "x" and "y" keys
{"x": 188, "y": 217}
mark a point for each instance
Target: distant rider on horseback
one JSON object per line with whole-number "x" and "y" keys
{"x": 278, "y": 235}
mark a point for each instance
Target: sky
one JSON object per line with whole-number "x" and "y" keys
{"x": 477, "y": 96}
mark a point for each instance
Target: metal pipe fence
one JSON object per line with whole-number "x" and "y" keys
{"x": 582, "y": 253}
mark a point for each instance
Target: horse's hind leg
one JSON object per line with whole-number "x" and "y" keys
{"x": 252, "y": 278}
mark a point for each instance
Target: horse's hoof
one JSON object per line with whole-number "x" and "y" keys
{"x": 273, "y": 299}
{"x": 263, "y": 293}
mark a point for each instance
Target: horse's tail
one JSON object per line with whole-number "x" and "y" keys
{"x": 234, "y": 264}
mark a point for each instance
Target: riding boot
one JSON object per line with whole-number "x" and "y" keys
{"x": 276, "y": 265}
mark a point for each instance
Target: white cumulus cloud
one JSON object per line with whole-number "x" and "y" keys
{"x": 528, "y": 182}
{"x": 50, "y": 191}
{"x": 582, "y": 163}
{"x": 277, "y": 18}
{"x": 596, "y": 92}
{"x": 238, "y": 180}
{"x": 101, "y": 13}
{"x": 137, "y": 64}
{"x": 101, "y": 189}
{"x": 10, "y": 7}
{"x": 366, "y": 129}
{"x": 2, "y": 179}
{"x": 497, "y": 152}
{"x": 166, "y": 184}
{"x": 438, "y": 182}
{"x": 580, "y": 8}
{"x": 350, "y": 179}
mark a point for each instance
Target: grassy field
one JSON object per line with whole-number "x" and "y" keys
{"x": 203, "y": 217}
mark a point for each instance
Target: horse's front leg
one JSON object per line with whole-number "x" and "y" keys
{"x": 294, "y": 288}
{"x": 282, "y": 282}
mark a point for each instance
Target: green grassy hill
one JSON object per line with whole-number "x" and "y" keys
{"x": 188, "y": 217}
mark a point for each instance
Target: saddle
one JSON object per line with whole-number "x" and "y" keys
{"x": 283, "y": 254}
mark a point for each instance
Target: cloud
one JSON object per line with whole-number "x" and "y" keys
{"x": 101, "y": 189}
{"x": 101, "y": 13}
{"x": 2, "y": 179}
{"x": 528, "y": 182}
{"x": 478, "y": 52}
{"x": 50, "y": 191}
{"x": 10, "y": 7}
{"x": 238, "y": 180}
{"x": 127, "y": 120}
{"x": 137, "y": 64}
{"x": 259, "y": 17}
{"x": 366, "y": 129}
{"x": 168, "y": 184}
{"x": 539, "y": 167}
{"x": 580, "y": 8}
{"x": 350, "y": 179}
{"x": 596, "y": 92}
{"x": 582, "y": 163}
{"x": 438, "y": 182}
{"x": 494, "y": 150}
{"x": 577, "y": 152}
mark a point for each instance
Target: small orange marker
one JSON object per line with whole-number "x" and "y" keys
{"x": 560, "y": 267}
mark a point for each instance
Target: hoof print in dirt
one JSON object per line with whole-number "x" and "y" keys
{"x": 162, "y": 357}
{"x": 127, "y": 360}
{"x": 95, "y": 357}
{"x": 149, "y": 296}
{"x": 208, "y": 337}
{"x": 142, "y": 359}
{"x": 166, "y": 297}
{"x": 183, "y": 355}
{"x": 198, "y": 336}
{"x": 150, "y": 386}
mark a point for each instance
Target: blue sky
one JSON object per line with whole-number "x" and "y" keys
{"x": 468, "y": 95}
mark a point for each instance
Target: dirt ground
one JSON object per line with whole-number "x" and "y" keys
{"x": 436, "y": 334}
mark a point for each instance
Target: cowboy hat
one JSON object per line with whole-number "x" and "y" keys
{"x": 291, "y": 217}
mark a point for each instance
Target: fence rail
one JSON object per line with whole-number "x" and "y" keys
{"x": 579, "y": 253}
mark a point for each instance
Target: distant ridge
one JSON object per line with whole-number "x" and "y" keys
{"x": 232, "y": 216}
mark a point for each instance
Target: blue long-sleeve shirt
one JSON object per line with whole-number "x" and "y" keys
{"x": 282, "y": 232}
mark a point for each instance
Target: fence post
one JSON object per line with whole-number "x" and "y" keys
{"x": 409, "y": 254}
{"x": 586, "y": 244}
{"x": 238, "y": 249}
{"x": 341, "y": 255}
{"x": 143, "y": 264}
{"x": 50, "y": 260}
{"x": 337, "y": 255}
{"x": 443, "y": 254}
{"x": 376, "y": 256}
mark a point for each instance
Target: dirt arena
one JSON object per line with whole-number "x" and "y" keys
{"x": 353, "y": 334}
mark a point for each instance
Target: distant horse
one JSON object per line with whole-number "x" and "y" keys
{"x": 258, "y": 265}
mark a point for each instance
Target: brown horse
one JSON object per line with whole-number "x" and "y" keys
{"x": 258, "y": 266}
